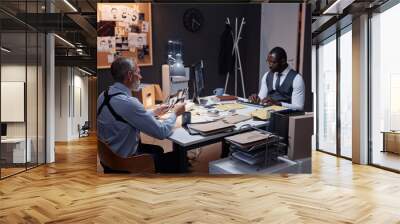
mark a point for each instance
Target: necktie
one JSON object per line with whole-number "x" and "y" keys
{"x": 278, "y": 81}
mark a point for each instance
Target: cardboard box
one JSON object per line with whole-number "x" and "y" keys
{"x": 148, "y": 94}
{"x": 300, "y": 136}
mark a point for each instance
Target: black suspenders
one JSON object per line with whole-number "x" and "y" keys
{"x": 106, "y": 102}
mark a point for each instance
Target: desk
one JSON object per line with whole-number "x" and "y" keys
{"x": 182, "y": 141}
{"x": 391, "y": 141}
{"x": 13, "y": 150}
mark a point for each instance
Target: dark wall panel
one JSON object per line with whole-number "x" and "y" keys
{"x": 205, "y": 44}
{"x": 307, "y": 67}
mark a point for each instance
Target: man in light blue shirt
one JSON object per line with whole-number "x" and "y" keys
{"x": 121, "y": 117}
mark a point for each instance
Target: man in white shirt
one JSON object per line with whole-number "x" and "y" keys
{"x": 282, "y": 85}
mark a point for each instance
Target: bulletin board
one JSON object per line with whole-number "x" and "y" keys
{"x": 124, "y": 30}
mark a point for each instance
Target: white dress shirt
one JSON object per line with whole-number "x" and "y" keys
{"x": 297, "y": 94}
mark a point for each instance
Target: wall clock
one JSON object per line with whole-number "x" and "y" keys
{"x": 193, "y": 19}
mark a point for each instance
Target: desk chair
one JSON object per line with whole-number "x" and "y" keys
{"x": 84, "y": 129}
{"x": 112, "y": 163}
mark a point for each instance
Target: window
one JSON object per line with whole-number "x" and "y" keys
{"x": 334, "y": 94}
{"x": 326, "y": 105}
{"x": 385, "y": 85}
{"x": 345, "y": 42}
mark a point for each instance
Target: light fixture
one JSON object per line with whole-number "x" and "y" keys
{"x": 70, "y": 5}
{"x": 337, "y": 7}
{"x": 84, "y": 71}
{"x": 177, "y": 68}
{"x": 64, "y": 40}
{"x": 5, "y": 50}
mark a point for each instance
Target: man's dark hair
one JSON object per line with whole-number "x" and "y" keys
{"x": 120, "y": 67}
{"x": 279, "y": 52}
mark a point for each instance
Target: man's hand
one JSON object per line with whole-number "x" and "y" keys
{"x": 179, "y": 109}
{"x": 254, "y": 98}
{"x": 161, "y": 110}
{"x": 268, "y": 101}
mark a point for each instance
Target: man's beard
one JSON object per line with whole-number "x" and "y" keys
{"x": 136, "y": 86}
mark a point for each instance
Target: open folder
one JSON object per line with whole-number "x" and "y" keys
{"x": 212, "y": 127}
{"x": 248, "y": 138}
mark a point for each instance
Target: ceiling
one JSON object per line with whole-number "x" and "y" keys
{"x": 325, "y": 24}
{"x": 76, "y": 26}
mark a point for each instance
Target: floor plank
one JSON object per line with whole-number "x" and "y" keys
{"x": 71, "y": 191}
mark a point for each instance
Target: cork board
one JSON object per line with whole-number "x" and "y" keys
{"x": 124, "y": 30}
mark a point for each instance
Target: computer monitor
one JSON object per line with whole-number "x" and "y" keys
{"x": 3, "y": 129}
{"x": 198, "y": 80}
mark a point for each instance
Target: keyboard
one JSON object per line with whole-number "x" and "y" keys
{"x": 250, "y": 103}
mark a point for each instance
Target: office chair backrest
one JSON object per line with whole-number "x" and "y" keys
{"x": 135, "y": 164}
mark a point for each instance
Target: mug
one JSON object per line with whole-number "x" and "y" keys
{"x": 218, "y": 91}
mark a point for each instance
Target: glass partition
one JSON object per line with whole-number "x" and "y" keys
{"x": 346, "y": 94}
{"x": 326, "y": 102}
{"x": 385, "y": 89}
{"x": 22, "y": 89}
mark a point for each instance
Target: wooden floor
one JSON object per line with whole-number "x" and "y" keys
{"x": 387, "y": 159}
{"x": 71, "y": 191}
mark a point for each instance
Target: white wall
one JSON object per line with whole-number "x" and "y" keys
{"x": 279, "y": 29}
{"x": 71, "y": 102}
{"x": 33, "y": 126}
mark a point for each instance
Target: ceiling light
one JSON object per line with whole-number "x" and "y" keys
{"x": 84, "y": 71}
{"x": 337, "y": 7}
{"x": 5, "y": 50}
{"x": 70, "y": 5}
{"x": 65, "y": 41}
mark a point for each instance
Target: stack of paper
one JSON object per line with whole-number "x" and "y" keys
{"x": 230, "y": 106}
{"x": 265, "y": 113}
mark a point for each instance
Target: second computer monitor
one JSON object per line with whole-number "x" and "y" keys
{"x": 198, "y": 70}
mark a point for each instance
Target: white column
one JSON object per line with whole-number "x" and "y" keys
{"x": 360, "y": 90}
{"x": 50, "y": 98}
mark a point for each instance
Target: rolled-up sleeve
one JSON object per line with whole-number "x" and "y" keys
{"x": 263, "y": 87}
{"x": 136, "y": 115}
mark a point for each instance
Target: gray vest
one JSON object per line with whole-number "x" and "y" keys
{"x": 284, "y": 91}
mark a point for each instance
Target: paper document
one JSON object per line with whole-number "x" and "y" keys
{"x": 230, "y": 106}
{"x": 265, "y": 113}
{"x": 236, "y": 118}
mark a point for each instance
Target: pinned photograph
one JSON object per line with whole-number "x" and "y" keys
{"x": 110, "y": 58}
{"x": 126, "y": 14}
{"x": 109, "y": 13}
{"x": 105, "y": 44}
{"x": 120, "y": 31}
{"x": 137, "y": 39}
{"x": 145, "y": 27}
{"x": 134, "y": 16}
